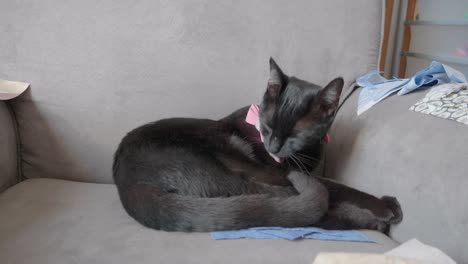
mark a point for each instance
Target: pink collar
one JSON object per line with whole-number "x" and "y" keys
{"x": 253, "y": 119}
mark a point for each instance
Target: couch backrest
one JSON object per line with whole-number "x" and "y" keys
{"x": 100, "y": 68}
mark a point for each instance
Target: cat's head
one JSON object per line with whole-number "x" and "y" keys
{"x": 295, "y": 114}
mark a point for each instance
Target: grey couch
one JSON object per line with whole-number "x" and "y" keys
{"x": 100, "y": 68}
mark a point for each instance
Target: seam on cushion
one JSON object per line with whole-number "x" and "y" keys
{"x": 351, "y": 89}
{"x": 382, "y": 31}
{"x": 19, "y": 167}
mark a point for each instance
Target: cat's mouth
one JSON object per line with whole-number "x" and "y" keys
{"x": 276, "y": 158}
{"x": 278, "y": 153}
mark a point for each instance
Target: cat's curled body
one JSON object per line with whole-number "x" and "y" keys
{"x": 184, "y": 174}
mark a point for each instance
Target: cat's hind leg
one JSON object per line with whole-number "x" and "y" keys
{"x": 353, "y": 209}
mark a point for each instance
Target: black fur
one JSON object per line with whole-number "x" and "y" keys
{"x": 185, "y": 174}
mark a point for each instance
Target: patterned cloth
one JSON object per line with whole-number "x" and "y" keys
{"x": 449, "y": 101}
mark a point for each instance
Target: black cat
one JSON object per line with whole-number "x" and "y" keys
{"x": 184, "y": 174}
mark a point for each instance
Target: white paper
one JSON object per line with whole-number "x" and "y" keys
{"x": 416, "y": 250}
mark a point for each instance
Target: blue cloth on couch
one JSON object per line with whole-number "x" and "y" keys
{"x": 292, "y": 234}
{"x": 376, "y": 88}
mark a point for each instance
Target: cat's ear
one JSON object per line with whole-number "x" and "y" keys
{"x": 277, "y": 79}
{"x": 276, "y": 74}
{"x": 329, "y": 96}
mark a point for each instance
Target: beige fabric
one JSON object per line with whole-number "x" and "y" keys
{"x": 11, "y": 89}
{"x": 100, "y": 68}
{"x": 8, "y": 147}
{"x": 415, "y": 249}
{"x": 55, "y": 221}
{"x": 410, "y": 252}
{"x": 360, "y": 258}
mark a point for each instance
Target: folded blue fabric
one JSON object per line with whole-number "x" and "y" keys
{"x": 376, "y": 88}
{"x": 292, "y": 234}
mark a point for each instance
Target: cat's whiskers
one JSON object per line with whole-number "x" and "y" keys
{"x": 312, "y": 163}
{"x": 308, "y": 157}
{"x": 295, "y": 161}
{"x": 301, "y": 165}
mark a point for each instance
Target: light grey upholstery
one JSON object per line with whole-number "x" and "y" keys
{"x": 99, "y": 69}
{"x": 420, "y": 159}
{"x": 57, "y": 221}
{"x": 8, "y": 149}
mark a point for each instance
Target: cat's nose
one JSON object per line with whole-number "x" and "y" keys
{"x": 275, "y": 145}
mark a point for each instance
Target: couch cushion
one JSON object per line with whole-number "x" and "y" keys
{"x": 99, "y": 69}
{"x": 57, "y": 221}
{"x": 8, "y": 153}
{"x": 420, "y": 159}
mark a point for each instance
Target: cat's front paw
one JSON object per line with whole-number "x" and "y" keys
{"x": 307, "y": 184}
{"x": 299, "y": 180}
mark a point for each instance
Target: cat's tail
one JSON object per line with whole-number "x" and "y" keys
{"x": 173, "y": 212}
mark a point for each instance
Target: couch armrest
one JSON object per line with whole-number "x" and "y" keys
{"x": 8, "y": 149}
{"x": 420, "y": 159}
